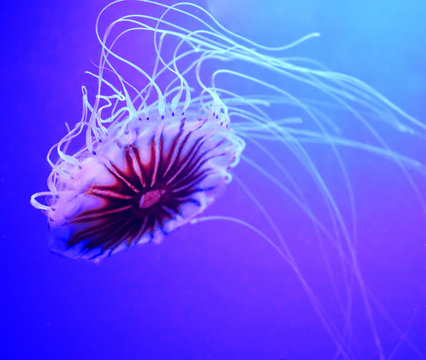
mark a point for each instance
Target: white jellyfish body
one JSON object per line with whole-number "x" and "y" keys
{"x": 160, "y": 141}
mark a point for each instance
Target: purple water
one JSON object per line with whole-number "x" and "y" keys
{"x": 213, "y": 290}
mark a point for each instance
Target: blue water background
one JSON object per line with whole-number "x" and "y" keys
{"x": 214, "y": 290}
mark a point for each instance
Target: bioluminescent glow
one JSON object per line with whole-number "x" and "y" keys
{"x": 179, "y": 102}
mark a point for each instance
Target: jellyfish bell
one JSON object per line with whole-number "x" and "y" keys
{"x": 146, "y": 177}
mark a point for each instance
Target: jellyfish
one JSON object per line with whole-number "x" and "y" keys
{"x": 179, "y": 101}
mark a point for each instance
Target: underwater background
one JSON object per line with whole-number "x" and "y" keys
{"x": 211, "y": 290}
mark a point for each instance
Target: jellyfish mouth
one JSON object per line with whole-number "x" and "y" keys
{"x": 150, "y": 198}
